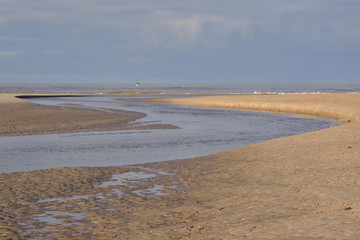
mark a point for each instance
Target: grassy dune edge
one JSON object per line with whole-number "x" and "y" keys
{"x": 341, "y": 107}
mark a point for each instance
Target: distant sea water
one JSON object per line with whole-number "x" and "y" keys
{"x": 240, "y": 88}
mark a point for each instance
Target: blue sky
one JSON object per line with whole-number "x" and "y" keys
{"x": 122, "y": 41}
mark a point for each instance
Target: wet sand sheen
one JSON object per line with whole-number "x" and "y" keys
{"x": 19, "y": 117}
{"x": 303, "y": 186}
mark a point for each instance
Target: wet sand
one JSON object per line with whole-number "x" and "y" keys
{"x": 297, "y": 187}
{"x": 20, "y": 117}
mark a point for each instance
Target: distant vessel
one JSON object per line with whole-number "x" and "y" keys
{"x": 137, "y": 84}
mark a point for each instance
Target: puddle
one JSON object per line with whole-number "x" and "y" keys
{"x": 57, "y": 217}
{"x": 157, "y": 171}
{"x": 117, "y": 180}
{"x": 117, "y": 192}
{"x": 111, "y": 208}
{"x": 100, "y": 196}
{"x": 136, "y": 177}
{"x": 156, "y": 190}
{"x": 63, "y": 199}
{"x": 52, "y": 219}
{"x": 125, "y": 178}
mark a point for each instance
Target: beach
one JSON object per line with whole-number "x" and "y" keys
{"x": 298, "y": 187}
{"x": 20, "y": 117}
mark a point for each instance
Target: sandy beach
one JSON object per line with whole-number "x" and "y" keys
{"x": 20, "y": 117}
{"x": 298, "y": 187}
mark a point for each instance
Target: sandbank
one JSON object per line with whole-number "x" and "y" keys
{"x": 19, "y": 117}
{"x": 298, "y": 187}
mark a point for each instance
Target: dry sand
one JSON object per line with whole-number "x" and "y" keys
{"x": 298, "y": 187}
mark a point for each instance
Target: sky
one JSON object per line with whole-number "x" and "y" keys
{"x": 189, "y": 41}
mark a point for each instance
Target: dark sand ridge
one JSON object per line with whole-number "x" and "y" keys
{"x": 298, "y": 187}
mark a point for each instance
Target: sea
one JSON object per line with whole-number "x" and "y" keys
{"x": 217, "y": 88}
{"x": 202, "y": 131}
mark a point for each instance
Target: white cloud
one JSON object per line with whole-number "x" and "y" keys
{"x": 2, "y": 21}
{"x": 10, "y": 54}
{"x": 159, "y": 23}
{"x": 186, "y": 30}
{"x": 51, "y": 52}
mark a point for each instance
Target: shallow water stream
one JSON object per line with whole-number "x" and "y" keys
{"x": 202, "y": 131}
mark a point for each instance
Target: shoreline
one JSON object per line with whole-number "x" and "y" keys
{"x": 20, "y": 117}
{"x": 304, "y": 186}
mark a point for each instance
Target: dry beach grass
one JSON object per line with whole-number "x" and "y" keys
{"x": 298, "y": 187}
